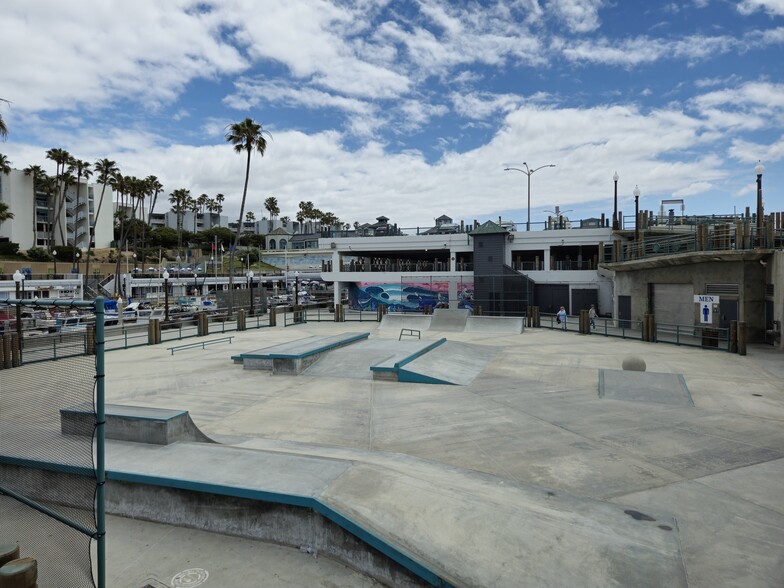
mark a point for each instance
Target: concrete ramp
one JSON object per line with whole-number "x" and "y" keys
{"x": 451, "y": 363}
{"x": 140, "y": 424}
{"x": 449, "y": 319}
{"x": 494, "y": 324}
{"x": 644, "y": 387}
{"x": 357, "y": 361}
{"x": 394, "y": 321}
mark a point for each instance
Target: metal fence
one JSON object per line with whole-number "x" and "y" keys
{"x": 46, "y": 378}
{"x": 687, "y": 335}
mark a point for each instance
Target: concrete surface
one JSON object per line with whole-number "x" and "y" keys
{"x": 523, "y": 476}
{"x": 641, "y": 386}
{"x": 449, "y": 319}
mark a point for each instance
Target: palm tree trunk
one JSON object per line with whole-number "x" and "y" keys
{"x": 239, "y": 232}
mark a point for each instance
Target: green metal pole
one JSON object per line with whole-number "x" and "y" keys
{"x": 100, "y": 450}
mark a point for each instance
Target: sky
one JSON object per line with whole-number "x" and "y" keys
{"x": 410, "y": 109}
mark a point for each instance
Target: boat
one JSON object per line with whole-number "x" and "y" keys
{"x": 111, "y": 314}
{"x": 143, "y": 312}
{"x": 76, "y": 323}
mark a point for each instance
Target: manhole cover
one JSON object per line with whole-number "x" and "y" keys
{"x": 190, "y": 578}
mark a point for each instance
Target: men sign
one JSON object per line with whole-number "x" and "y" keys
{"x": 706, "y": 303}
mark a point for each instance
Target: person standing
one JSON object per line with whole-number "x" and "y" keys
{"x": 562, "y": 318}
{"x": 592, "y": 316}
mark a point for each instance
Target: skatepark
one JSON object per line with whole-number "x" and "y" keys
{"x": 511, "y": 457}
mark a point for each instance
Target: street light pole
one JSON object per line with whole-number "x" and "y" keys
{"x": 54, "y": 255}
{"x": 18, "y": 280}
{"x": 166, "y": 296}
{"x": 636, "y": 214}
{"x": 528, "y": 172}
{"x": 615, "y": 203}
{"x": 759, "y": 169}
{"x": 250, "y": 288}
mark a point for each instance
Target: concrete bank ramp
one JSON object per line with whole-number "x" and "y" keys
{"x": 448, "y": 319}
{"x": 494, "y": 324}
{"x": 394, "y": 321}
{"x": 451, "y": 320}
{"x": 466, "y": 528}
{"x": 451, "y": 363}
{"x": 355, "y": 361}
{"x": 644, "y": 387}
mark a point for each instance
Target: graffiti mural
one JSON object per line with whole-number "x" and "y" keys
{"x": 408, "y": 296}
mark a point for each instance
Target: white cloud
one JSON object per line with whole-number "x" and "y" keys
{"x": 772, "y": 7}
{"x": 580, "y": 16}
{"x": 145, "y": 51}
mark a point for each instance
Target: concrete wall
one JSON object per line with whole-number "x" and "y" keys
{"x": 748, "y": 275}
{"x": 285, "y": 524}
{"x": 775, "y": 276}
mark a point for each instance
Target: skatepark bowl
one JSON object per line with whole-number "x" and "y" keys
{"x": 468, "y": 453}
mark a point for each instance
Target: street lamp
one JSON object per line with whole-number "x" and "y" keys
{"x": 615, "y": 203}
{"x": 636, "y": 214}
{"x": 195, "y": 284}
{"x": 296, "y": 288}
{"x": 77, "y": 255}
{"x": 250, "y": 287}
{"x": 759, "y": 169}
{"x": 528, "y": 172}
{"x": 54, "y": 255}
{"x": 18, "y": 281}
{"x": 166, "y": 296}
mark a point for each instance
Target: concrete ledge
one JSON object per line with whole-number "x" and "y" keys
{"x": 159, "y": 426}
{"x": 297, "y": 521}
{"x": 390, "y": 369}
{"x": 294, "y": 357}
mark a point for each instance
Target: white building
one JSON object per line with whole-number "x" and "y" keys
{"x": 500, "y": 270}
{"x": 34, "y": 214}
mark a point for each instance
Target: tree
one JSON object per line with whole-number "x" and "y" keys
{"x": 5, "y": 165}
{"x": 3, "y": 128}
{"x": 82, "y": 169}
{"x": 179, "y": 201}
{"x": 247, "y": 136}
{"x": 61, "y": 157}
{"x": 38, "y": 173}
{"x": 5, "y": 213}
{"x": 105, "y": 169}
{"x": 271, "y": 205}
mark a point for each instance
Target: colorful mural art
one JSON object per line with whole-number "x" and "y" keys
{"x": 408, "y": 296}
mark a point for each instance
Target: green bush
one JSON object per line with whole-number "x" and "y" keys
{"x": 38, "y": 254}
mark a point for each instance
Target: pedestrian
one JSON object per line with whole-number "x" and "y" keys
{"x": 592, "y": 316}
{"x": 561, "y": 317}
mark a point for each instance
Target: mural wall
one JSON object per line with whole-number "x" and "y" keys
{"x": 408, "y": 296}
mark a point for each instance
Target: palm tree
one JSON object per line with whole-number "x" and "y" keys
{"x": 219, "y": 198}
{"x": 82, "y": 169}
{"x": 249, "y": 218}
{"x": 3, "y": 128}
{"x": 5, "y": 213}
{"x": 61, "y": 158}
{"x": 247, "y": 136}
{"x": 5, "y": 169}
{"x": 5, "y": 165}
{"x": 38, "y": 173}
{"x": 179, "y": 201}
{"x": 271, "y": 205}
{"x": 105, "y": 169}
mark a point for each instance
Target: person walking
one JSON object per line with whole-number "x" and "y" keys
{"x": 592, "y": 316}
{"x": 561, "y": 316}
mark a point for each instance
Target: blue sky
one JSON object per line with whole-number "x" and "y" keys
{"x": 410, "y": 109}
